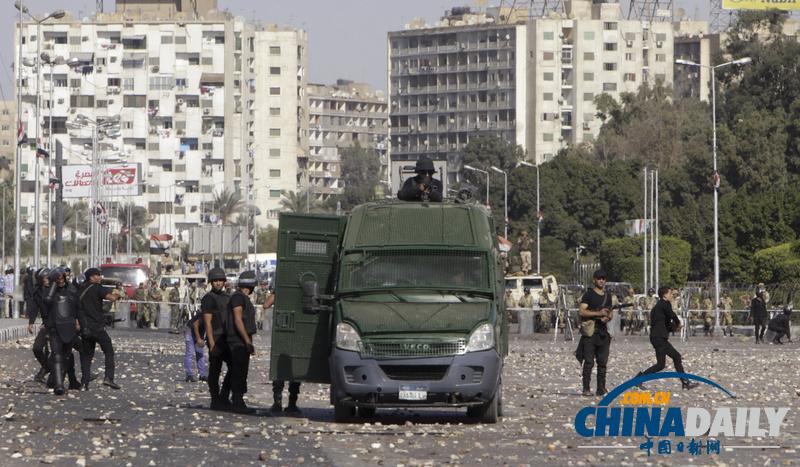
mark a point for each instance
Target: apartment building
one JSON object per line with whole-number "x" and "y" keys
{"x": 188, "y": 84}
{"x": 464, "y": 76}
{"x": 530, "y": 80}
{"x": 8, "y": 139}
{"x": 340, "y": 116}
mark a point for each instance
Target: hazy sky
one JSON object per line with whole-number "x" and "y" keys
{"x": 347, "y": 38}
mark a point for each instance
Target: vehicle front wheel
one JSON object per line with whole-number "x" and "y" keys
{"x": 490, "y": 411}
{"x": 343, "y": 413}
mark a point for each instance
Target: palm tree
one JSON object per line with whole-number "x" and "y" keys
{"x": 227, "y": 204}
{"x": 139, "y": 220}
{"x": 75, "y": 216}
{"x": 294, "y": 201}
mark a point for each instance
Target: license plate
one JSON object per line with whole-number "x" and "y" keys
{"x": 413, "y": 393}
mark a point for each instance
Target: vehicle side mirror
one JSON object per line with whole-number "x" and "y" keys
{"x": 312, "y": 298}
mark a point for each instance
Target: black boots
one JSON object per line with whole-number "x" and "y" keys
{"x": 218, "y": 403}
{"x": 40, "y": 375}
{"x": 238, "y": 405}
{"x": 689, "y": 384}
{"x": 292, "y": 408}
{"x": 110, "y": 383}
{"x": 641, "y": 386}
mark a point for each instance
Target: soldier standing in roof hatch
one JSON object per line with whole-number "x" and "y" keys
{"x": 422, "y": 187}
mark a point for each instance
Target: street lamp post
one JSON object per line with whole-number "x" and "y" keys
{"x": 505, "y": 199}
{"x": 37, "y": 189}
{"x": 741, "y": 61}
{"x": 59, "y": 60}
{"x": 538, "y": 218}
{"x": 469, "y": 167}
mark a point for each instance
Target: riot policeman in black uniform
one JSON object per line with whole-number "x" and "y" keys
{"x": 213, "y": 306}
{"x": 240, "y": 326}
{"x": 422, "y": 187}
{"x": 93, "y": 322}
{"x": 34, "y": 306}
{"x": 61, "y": 301}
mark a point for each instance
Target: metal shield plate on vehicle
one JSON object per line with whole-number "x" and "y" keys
{"x": 413, "y": 393}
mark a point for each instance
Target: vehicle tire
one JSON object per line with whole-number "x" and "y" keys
{"x": 366, "y": 412}
{"x": 343, "y": 413}
{"x": 490, "y": 411}
{"x": 499, "y": 398}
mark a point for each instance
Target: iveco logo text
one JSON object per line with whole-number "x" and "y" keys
{"x": 416, "y": 347}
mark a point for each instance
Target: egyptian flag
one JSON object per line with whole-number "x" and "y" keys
{"x": 160, "y": 243}
{"x": 22, "y": 137}
{"x": 504, "y": 244}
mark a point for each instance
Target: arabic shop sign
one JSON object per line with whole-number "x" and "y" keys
{"x": 118, "y": 180}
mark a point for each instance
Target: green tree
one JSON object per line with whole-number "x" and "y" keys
{"x": 268, "y": 239}
{"x": 227, "y": 205}
{"x": 134, "y": 220}
{"x": 295, "y": 201}
{"x": 361, "y": 172}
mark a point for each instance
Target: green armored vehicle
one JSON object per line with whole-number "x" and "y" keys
{"x": 399, "y": 304}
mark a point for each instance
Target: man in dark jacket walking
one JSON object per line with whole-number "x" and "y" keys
{"x": 758, "y": 312}
{"x": 664, "y": 321}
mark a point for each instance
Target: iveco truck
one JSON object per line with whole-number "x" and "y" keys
{"x": 398, "y": 304}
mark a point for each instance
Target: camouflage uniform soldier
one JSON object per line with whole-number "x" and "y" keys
{"x": 630, "y": 314}
{"x": 694, "y": 313}
{"x": 154, "y": 296}
{"x": 140, "y": 295}
{"x": 727, "y": 319}
{"x": 525, "y": 243}
{"x": 708, "y": 317}
{"x": 174, "y": 298}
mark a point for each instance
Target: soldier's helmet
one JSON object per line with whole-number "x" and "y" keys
{"x": 424, "y": 165}
{"x": 526, "y": 290}
{"x": 248, "y": 279}
{"x": 216, "y": 274}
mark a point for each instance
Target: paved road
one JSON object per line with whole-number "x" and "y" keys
{"x": 157, "y": 419}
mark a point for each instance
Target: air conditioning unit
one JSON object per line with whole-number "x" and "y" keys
{"x": 659, "y": 43}
{"x": 99, "y": 69}
{"x": 23, "y": 175}
{"x": 629, "y": 43}
{"x": 206, "y": 111}
{"x": 154, "y": 69}
{"x": 586, "y": 125}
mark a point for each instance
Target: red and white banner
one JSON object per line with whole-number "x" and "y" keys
{"x": 118, "y": 180}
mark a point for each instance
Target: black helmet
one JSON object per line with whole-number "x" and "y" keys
{"x": 424, "y": 164}
{"x": 79, "y": 279}
{"x": 56, "y": 273}
{"x": 216, "y": 274}
{"x": 92, "y": 272}
{"x": 248, "y": 279}
{"x": 42, "y": 273}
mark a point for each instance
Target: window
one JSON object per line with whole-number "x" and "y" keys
{"x": 547, "y": 137}
{"x": 100, "y": 61}
{"x": 609, "y": 86}
{"x": 547, "y": 56}
{"x": 631, "y": 77}
{"x": 274, "y": 173}
{"x": 180, "y": 82}
{"x": 274, "y": 131}
{"x": 547, "y": 35}
{"x": 274, "y": 111}
{"x": 609, "y": 26}
{"x": 101, "y": 103}
{"x": 274, "y": 91}
{"x": 548, "y": 96}
{"x": 548, "y": 76}
{"x": 588, "y": 117}
{"x": 275, "y": 50}
{"x": 661, "y": 77}
{"x": 161, "y": 83}
{"x": 588, "y": 76}
{"x": 629, "y": 57}
{"x": 661, "y": 57}
{"x": 609, "y": 66}
{"x": 274, "y": 193}
{"x": 275, "y": 70}
{"x": 588, "y": 35}
{"x": 274, "y": 152}
{"x": 588, "y": 56}
{"x": 610, "y": 46}
{"x": 166, "y": 39}
{"x": 180, "y": 40}
{"x": 193, "y": 59}
{"x": 588, "y": 96}
{"x": 219, "y": 39}
{"x": 134, "y": 101}
{"x": 127, "y": 84}
{"x": 207, "y": 61}
{"x": 661, "y": 37}
{"x": 81, "y": 101}
{"x": 75, "y": 83}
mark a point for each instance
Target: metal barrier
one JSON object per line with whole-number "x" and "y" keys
{"x": 13, "y": 333}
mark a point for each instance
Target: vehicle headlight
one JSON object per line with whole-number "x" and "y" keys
{"x": 347, "y": 337}
{"x": 481, "y": 338}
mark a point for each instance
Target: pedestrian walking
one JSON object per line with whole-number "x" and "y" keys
{"x": 195, "y": 351}
{"x": 595, "y": 311}
{"x": 664, "y": 321}
{"x": 93, "y": 324}
{"x": 758, "y": 313}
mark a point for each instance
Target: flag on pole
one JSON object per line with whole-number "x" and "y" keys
{"x": 22, "y": 137}
{"x": 716, "y": 180}
{"x": 41, "y": 152}
{"x": 540, "y": 216}
{"x": 160, "y": 243}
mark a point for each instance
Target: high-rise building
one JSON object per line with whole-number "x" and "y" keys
{"x": 341, "y": 116}
{"x": 532, "y": 81}
{"x": 8, "y": 139}
{"x": 188, "y": 84}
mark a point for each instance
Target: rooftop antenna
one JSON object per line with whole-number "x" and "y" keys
{"x": 651, "y": 10}
{"x": 99, "y": 6}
